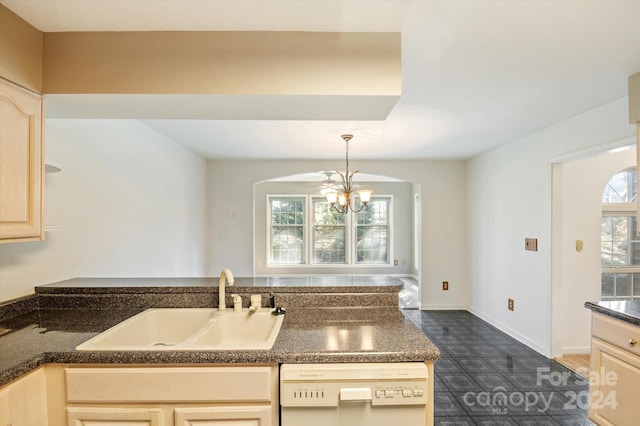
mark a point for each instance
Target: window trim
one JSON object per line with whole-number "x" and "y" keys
{"x": 347, "y": 236}
{"x": 307, "y": 237}
{"x": 390, "y": 221}
{"x": 268, "y": 253}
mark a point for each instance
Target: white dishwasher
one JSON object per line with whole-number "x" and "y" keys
{"x": 354, "y": 394}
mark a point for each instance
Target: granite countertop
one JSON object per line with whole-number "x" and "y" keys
{"x": 625, "y": 310}
{"x": 40, "y": 335}
{"x": 289, "y": 284}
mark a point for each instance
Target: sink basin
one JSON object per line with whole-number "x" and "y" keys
{"x": 230, "y": 330}
{"x": 189, "y": 329}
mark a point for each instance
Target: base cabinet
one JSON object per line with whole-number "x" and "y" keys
{"x": 187, "y": 416}
{"x": 91, "y": 416}
{"x": 164, "y": 396}
{"x": 224, "y": 416}
{"x": 614, "y": 396}
{"x": 24, "y": 402}
{"x": 615, "y": 373}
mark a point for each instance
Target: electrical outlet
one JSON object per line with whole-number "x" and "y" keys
{"x": 395, "y": 262}
{"x": 531, "y": 244}
{"x": 445, "y": 285}
{"x": 510, "y": 304}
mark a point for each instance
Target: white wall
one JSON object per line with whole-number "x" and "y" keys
{"x": 443, "y": 204}
{"x": 582, "y": 183}
{"x": 128, "y": 202}
{"x": 509, "y": 199}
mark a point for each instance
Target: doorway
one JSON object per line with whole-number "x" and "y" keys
{"x": 576, "y": 215}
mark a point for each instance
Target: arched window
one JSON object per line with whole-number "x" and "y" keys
{"x": 620, "y": 252}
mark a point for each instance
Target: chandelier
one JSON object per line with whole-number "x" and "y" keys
{"x": 340, "y": 195}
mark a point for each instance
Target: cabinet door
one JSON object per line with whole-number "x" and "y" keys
{"x": 21, "y": 164}
{"x": 24, "y": 402}
{"x": 5, "y": 407}
{"x": 614, "y": 385}
{"x": 103, "y": 416}
{"x": 224, "y": 416}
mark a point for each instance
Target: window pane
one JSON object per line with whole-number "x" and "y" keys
{"x": 371, "y": 244}
{"x": 287, "y": 230}
{"x": 619, "y": 228}
{"x": 329, "y": 234}
{"x": 372, "y": 232}
{"x": 623, "y": 285}
{"x": 622, "y": 188}
{"x": 322, "y": 214}
{"x": 329, "y": 244}
{"x": 607, "y": 285}
{"x": 374, "y": 214}
{"x": 287, "y": 244}
{"x": 606, "y": 227}
{"x": 605, "y": 253}
{"x": 634, "y": 255}
{"x": 619, "y": 254}
{"x": 620, "y": 246}
{"x": 636, "y": 285}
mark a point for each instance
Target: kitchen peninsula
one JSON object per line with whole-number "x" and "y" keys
{"x": 330, "y": 320}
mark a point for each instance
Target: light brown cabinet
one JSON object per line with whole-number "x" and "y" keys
{"x": 21, "y": 164}
{"x": 114, "y": 416}
{"x": 24, "y": 401}
{"x": 615, "y": 372}
{"x": 163, "y": 395}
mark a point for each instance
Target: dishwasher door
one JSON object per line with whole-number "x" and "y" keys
{"x": 353, "y": 394}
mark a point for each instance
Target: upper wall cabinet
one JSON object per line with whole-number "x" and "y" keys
{"x": 21, "y": 164}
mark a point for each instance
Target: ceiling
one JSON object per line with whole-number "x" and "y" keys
{"x": 475, "y": 74}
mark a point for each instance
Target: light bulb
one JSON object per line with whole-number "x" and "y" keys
{"x": 332, "y": 197}
{"x": 365, "y": 195}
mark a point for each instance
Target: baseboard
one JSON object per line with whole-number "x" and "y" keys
{"x": 511, "y": 332}
{"x": 427, "y": 307}
{"x": 576, "y": 350}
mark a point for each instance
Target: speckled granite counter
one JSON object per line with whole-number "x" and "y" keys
{"x": 376, "y": 333}
{"x": 628, "y": 311}
{"x": 288, "y": 284}
{"x": 307, "y": 291}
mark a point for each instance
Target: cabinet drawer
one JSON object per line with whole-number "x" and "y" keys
{"x": 170, "y": 384}
{"x": 614, "y": 388}
{"x": 616, "y": 332}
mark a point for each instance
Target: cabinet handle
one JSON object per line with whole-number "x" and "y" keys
{"x": 632, "y": 342}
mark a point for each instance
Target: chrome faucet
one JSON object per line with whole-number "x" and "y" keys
{"x": 225, "y": 275}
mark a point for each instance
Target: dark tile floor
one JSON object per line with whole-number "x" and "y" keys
{"x": 487, "y": 378}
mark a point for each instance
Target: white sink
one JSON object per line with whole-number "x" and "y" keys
{"x": 189, "y": 329}
{"x": 230, "y": 330}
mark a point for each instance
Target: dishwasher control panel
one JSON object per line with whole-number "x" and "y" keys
{"x": 332, "y": 394}
{"x": 327, "y": 387}
{"x": 400, "y": 392}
